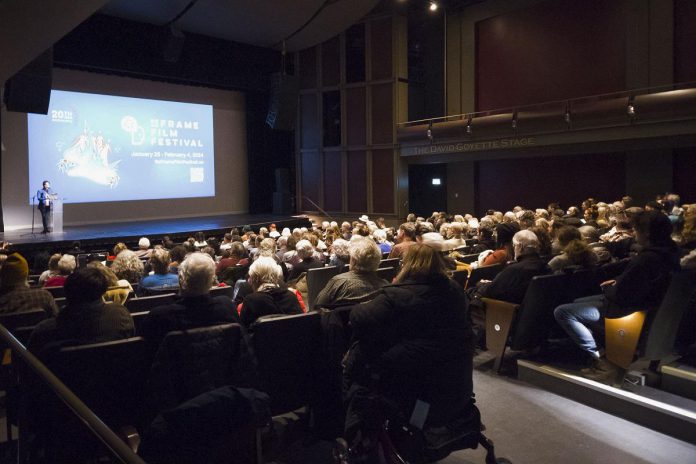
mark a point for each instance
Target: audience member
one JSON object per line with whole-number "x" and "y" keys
{"x": 405, "y": 239}
{"x": 504, "y": 251}
{"x": 15, "y": 294}
{"x": 86, "y": 318}
{"x": 360, "y": 283}
{"x": 194, "y": 307}
{"x": 52, "y": 270}
{"x": 305, "y": 252}
{"x": 162, "y": 279}
{"x": 144, "y": 250}
{"x": 128, "y": 266}
{"x": 640, "y": 286}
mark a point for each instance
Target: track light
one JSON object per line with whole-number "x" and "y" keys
{"x": 433, "y": 6}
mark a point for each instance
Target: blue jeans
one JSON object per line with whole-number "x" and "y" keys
{"x": 580, "y": 319}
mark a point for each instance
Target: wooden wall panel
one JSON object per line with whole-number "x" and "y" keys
{"x": 382, "y": 113}
{"x": 309, "y": 121}
{"x": 311, "y": 178}
{"x": 381, "y": 44}
{"x": 554, "y": 50}
{"x": 331, "y": 62}
{"x": 535, "y": 182}
{"x": 333, "y": 181}
{"x": 357, "y": 181}
{"x": 308, "y": 68}
{"x": 383, "y": 181}
{"x": 684, "y": 40}
{"x": 355, "y": 116}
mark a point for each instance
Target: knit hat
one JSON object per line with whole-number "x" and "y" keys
{"x": 14, "y": 271}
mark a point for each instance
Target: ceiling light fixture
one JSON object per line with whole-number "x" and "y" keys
{"x": 433, "y": 6}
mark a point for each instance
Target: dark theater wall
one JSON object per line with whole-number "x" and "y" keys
{"x": 534, "y": 182}
{"x": 553, "y": 50}
{"x": 684, "y": 40}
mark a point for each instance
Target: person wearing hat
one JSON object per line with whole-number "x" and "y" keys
{"x": 15, "y": 294}
{"x": 504, "y": 251}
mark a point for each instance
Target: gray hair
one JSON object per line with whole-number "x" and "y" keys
{"x": 364, "y": 255}
{"x": 341, "y": 248}
{"x": 267, "y": 246}
{"x": 380, "y": 235}
{"x": 128, "y": 266}
{"x": 265, "y": 271}
{"x": 304, "y": 249}
{"x": 144, "y": 243}
{"x": 196, "y": 274}
{"x": 66, "y": 264}
{"x": 527, "y": 241}
{"x": 160, "y": 260}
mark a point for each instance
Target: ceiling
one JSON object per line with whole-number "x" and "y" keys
{"x": 263, "y": 23}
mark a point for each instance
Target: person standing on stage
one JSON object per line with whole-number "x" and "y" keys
{"x": 45, "y": 197}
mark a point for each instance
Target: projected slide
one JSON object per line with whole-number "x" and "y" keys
{"x": 104, "y": 148}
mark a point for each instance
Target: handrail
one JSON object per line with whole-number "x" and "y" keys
{"x": 119, "y": 448}
{"x": 567, "y": 101}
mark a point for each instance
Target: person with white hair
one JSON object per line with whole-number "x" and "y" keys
{"x": 340, "y": 254}
{"x": 456, "y": 239}
{"x": 270, "y": 295}
{"x": 66, "y": 266}
{"x": 195, "y": 306}
{"x": 512, "y": 282}
{"x": 305, "y": 252}
{"x": 144, "y": 250}
{"x": 360, "y": 283}
{"x": 380, "y": 236}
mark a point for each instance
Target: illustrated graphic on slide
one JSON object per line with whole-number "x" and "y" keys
{"x": 88, "y": 157}
{"x": 97, "y": 148}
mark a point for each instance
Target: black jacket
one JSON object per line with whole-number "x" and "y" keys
{"x": 642, "y": 285}
{"x": 277, "y": 300}
{"x": 417, "y": 337}
{"x": 512, "y": 282}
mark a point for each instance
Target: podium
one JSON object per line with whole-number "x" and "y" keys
{"x": 56, "y": 222}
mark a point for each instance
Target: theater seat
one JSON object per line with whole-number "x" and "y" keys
{"x": 483, "y": 273}
{"x": 500, "y": 316}
{"x": 146, "y": 303}
{"x": 621, "y": 338}
{"x": 316, "y": 281}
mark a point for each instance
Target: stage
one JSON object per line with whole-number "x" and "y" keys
{"x": 105, "y": 236}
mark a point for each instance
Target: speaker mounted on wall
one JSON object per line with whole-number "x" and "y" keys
{"x": 282, "y": 109}
{"x": 29, "y": 91}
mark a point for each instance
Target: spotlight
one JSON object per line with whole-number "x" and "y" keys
{"x": 433, "y": 6}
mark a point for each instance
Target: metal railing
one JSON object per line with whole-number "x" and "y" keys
{"x": 101, "y": 431}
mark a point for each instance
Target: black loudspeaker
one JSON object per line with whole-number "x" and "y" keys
{"x": 29, "y": 91}
{"x": 282, "y": 109}
{"x": 282, "y": 178}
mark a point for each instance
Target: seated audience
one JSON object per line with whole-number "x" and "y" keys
{"x": 576, "y": 254}
{"x": 380, "y": 236}
{"x": 128, "y": 266}
{"x": 52, "y": 270}
{"x": 194, "y": 307}
{"x": 269, "y": 293}
{"x": 118, "y": 291}
{"x": 360, "y": 283}
{"x": 86, "y": 318}
{"x": 512, "y": 282}
{"x": 305, "y": 252}
{"x": 161, "y": 278}
{"x": 340, "y": 254}
{"x": 66, "y": 266}
{"x": 199, "y": 241}
{"x": 456, "y": 238}
{"x": 640, "y": 286}
{"x": 15, "y": 294}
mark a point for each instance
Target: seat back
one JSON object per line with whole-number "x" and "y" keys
{"x": 191, "y": 362}
{"x": 483, "y": 272}
{"x": 109, "y": 377}
{"x": 316, "y": 281}
{"x": 679, "y": 299}
{"x": 387, "y": 273}
{"x": 227, "y": 291}
{"x": 461, "y": 277}
{"x": 139, "y": 320}
{"x": 57, "y": 292}
{"x": 389, "y": 262}
{"x": 12, "y": 321}
{"x": 535, "y": 317}
{"x": 499, "y": 318}
{"x": 287, "y": 350}
{"x": 146, "y": 303}
{"x": 621, "y": 337}
{"x": 468, "y": 259}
